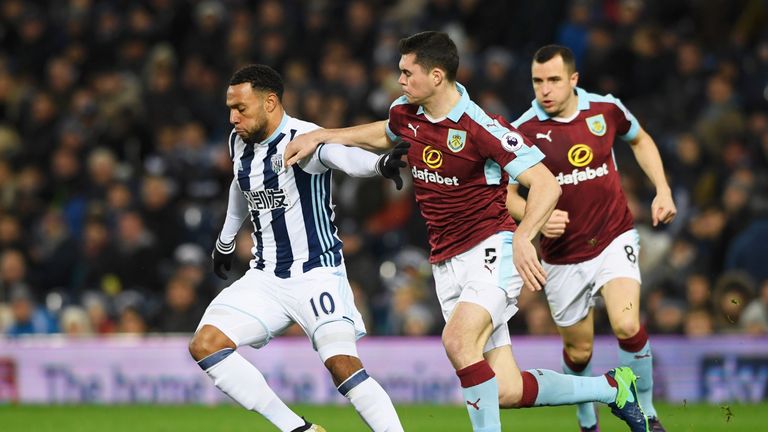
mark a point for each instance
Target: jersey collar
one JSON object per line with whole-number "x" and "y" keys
{"x": 582, "y": 106}
{"x": 277, "y": 131}
{"x": 459, "y": 109}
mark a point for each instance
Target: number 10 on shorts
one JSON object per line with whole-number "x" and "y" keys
{"x": 327, "y": 305}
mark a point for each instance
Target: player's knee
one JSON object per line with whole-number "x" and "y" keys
{"x": 342, "y": 367}
{"x": 626, "y": 328}
{"x": 579, "y": 353}
{"x": 207, "y": 341}
{"x": 453, "y": 343}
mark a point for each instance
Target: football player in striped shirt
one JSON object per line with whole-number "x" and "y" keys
{"x": 297, "y": 273}
{"x": 589, "y": 245}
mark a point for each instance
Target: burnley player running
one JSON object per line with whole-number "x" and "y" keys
{"x": 297, "y": 273}
{"x": 589, "y": 244}
{"x": 460, "y": 159}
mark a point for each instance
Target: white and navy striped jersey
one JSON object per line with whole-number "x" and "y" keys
{"x": 291, "y": 210}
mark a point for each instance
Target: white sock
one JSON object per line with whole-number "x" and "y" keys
{"x": 371, "y": 402}
{"x": 241, "y": 381}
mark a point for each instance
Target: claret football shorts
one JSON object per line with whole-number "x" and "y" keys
{"x": 484, "y": 275}
{"x": 260, "y": 305}
{"x": 571, "y": 288}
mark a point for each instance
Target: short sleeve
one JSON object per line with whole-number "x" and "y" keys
{"x": 627, "y": 126}
{"x": 392, "y": 122}
{"x": 391, "y": 135}
{"x": 504, "y": 144}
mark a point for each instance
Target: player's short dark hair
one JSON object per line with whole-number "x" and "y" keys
{"x": 433, "y": 49}
{"x": 548, "y": 52}
{"x": 261, "y": 77}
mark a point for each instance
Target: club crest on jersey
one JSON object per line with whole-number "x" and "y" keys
{"x": 277, "y": 163}
{"x": 456, "y": 140}
{"x": 596, "y": 125}
{"x": 512, "y": 141}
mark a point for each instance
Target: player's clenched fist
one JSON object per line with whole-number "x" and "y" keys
{"x": 222, "y": 257}
{"x": 555, "y": 226}
{"x": 663, "y": 209}
{"x": 389, "y": 163}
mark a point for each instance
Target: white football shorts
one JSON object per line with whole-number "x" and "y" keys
{"x": 484, "y": 275}
{"x": 260, "y": 305}
{"x": 571, "y": 288}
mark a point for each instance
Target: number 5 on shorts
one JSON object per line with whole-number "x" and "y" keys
{"x": 327, "y": 305}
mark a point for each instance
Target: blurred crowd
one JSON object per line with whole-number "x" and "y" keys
{"x": 114, "y": 170}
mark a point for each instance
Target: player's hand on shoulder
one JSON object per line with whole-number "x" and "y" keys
{"x": 301, "y": 146}
{"x": 527, "y": 263}
{"x": 663, "y": 208}
{"x": 222, "y": 258}
{"x": 389, "y": 163}
{"x": 555, "y": 226}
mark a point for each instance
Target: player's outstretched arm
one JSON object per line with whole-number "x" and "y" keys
{"x": 647, "y": 154}
{"x": 371, "y": 136}
{"x": 542, "y": 198}
{"x": 357, "y": 162}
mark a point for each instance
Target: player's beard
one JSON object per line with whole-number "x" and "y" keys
{"x": 255, "y": 135}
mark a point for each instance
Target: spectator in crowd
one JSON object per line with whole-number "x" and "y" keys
{"x": 13, "y": 273}
{"x": 98, "y": 315}
{"x": 182, "y": 309}
{"x": 27, "y": 317}
{"x": 754, "y": 319}
{"x": 698, "y": 323}
{"x": 131, "y": 321}
{"x": 733, "y": 291}
{"x": 74, "y": 321}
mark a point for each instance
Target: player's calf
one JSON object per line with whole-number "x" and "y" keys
{"x": 216, "y": 355}
{"x": 335, "y": 342}
{"x": 510, "y": 390}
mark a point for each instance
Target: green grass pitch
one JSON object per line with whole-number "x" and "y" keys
{"x": 343, "y": 418}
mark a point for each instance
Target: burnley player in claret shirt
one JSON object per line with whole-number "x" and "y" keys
{"x": 460, "y": 160}
{"x": 589, "y": 244}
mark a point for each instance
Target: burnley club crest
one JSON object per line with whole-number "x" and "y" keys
{"x": 456, "y": 140}
{"x": 597, "y": 125}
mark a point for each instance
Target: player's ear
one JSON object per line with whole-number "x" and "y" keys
{"x": 270, "y": 102}
{"x": 437, "y": 76}
{"x": 574, "y": 79}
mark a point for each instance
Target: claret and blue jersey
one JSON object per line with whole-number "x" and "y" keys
{"x": 579, "y": 153}
{"x": 291, "y": 210}
{"x": 460, "y": 165}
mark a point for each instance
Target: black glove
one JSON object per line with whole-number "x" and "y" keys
{"x": 389, "y": 163}
{"x": 222, "y": 257}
